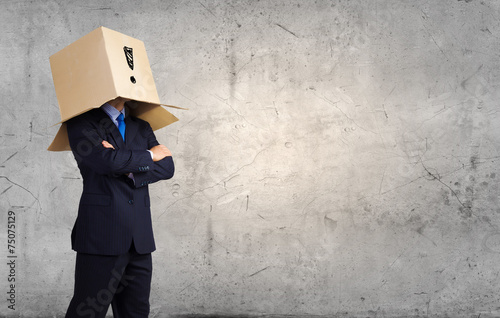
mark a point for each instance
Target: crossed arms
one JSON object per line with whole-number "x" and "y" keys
{"x": 93, "y": 152}
{"x": 159, "y": 152}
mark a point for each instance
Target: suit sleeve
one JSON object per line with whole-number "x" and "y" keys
{"x": 86, "y": 144}
{"x": 159, "y": 170}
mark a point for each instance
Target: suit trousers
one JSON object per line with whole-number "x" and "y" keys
{"x": 124, "y": 281}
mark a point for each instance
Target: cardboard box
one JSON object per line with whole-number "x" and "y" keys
{"x": 100, "y": 67}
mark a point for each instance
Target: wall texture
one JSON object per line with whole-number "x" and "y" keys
{"x": 339, "y": 158}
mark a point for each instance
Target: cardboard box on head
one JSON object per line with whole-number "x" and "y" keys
{"x": 100, "y": 67}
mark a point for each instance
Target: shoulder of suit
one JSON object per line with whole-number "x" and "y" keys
{"x": 95, "y": 114}
{"x": 139, "y": 121}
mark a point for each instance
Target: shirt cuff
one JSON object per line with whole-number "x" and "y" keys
{"x": 151, "y": 153}
{"x": 131, "y": 176}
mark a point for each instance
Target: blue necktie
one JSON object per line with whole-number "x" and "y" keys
{"x": 121, "y": 125}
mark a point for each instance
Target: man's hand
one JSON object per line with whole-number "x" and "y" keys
{"x": 160, "y": 152}
{"x": 107, "y": 144}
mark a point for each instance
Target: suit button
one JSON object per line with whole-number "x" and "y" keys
{"x": 130, "y": 201}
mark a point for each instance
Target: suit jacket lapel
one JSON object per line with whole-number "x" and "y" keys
{"x": 111, "y": 129}
{"x": 116, "y": 135}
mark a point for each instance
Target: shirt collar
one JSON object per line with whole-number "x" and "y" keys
{"x": 112, "y": 112}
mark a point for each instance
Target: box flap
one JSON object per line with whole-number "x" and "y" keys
{"x": 60, "y": 142}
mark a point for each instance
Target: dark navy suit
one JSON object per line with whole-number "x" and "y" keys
{"x": 113, "y": 233}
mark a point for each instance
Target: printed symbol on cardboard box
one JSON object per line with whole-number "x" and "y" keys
{"x": 129, "y": 55}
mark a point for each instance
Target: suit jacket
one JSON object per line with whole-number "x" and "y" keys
{"x": 114, "y": 211}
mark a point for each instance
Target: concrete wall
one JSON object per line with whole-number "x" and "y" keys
{"x": 339, "y": 158}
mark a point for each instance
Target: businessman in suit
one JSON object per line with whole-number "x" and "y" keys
{"x": 118, "y": 156}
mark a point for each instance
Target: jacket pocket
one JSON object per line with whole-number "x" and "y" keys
{"x": 95, "y": 199}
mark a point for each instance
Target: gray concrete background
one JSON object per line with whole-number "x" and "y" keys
{"x": 339, "y": 158}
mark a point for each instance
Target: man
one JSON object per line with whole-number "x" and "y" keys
{"x": 118, "y": 156}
